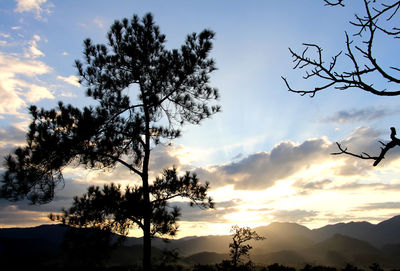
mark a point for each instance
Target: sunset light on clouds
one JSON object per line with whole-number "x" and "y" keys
{"x": 267, "y": 155}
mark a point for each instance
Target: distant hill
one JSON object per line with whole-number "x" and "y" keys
{"x": 340, "y": 249}
{"x": 283, "y": 236}
{"x": 344, "y": 244}
{"x": 359, "y": 230}
{"x": 359, "y": 243}
{"x": 212, "y": 243}
{"x": 53, "y": 233}
{"x": 386, "y": 232}
{"x": 292, "y": 229}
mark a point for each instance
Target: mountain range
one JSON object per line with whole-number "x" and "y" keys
{"x": 357, "y": 243}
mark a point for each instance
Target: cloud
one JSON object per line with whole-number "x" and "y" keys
{"x": 305, "y": 162}
{"x": 351, "y": 217}
{"x": 295, "y": 216}
{"x": 229, "y": 204}
{"x": 68, "y": 94}
{"x": 359, "y": 115}
{"x": 162, "y": 157}
{"x": 36, "y": 6}
{"x": 22, "y": 213}
{"x": 99, "y": 22}
{"x": 33, "y": 51}
{"x": 11, "y": 216}
{"x": 373, "y": 186}
{"x": 10, "y": 102}
{"x": 366, "y": 140}
{"x": 306, "y": 187}
{"x": 237, "y": 156}
{"x": 318, "y": 185}
{"x": 216, "y": 215}
{"x": 12, "y": 65}
{"x": 37, "y": 93}
{"x": 262, "y": 170}
{"x": 72, "y": 80}
{"x": 380, "y": 205}
{"x": 16, "y": 75}
{"x": 12, "y": 134}
{"x": 4, "y": 35}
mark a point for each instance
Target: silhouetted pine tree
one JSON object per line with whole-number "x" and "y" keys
{"x": 172, "y": 88}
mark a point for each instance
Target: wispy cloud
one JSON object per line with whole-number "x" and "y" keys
{"x": 68, "y": 94}
{"x": 33, "y": 51}
{"x": 194, "y": 213}
{"x": 305, "y": 187}
{"x": 380, "y": 205}
{"x": 356, "y": 185}
{"x": 359, "y": 115}
{"x": 4, "y": 35}
{"x": 38, "y": 7}
{"x": 16, "y": 82}
{"x": 12, "y": 216}
{"x": 72, "y": 80}
{"x": 99, "y": 22}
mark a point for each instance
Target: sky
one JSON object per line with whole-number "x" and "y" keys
{"x": 266, "y": 155}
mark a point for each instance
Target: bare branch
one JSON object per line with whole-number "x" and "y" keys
{"x": 377, "y": 159}
{"x": 361, "y": 156}
{"x": 362, "y": 66}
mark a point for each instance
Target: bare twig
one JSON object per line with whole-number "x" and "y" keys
{"x": 330, "y": 3}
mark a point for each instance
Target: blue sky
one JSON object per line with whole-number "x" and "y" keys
{"x": 266, "y": 154}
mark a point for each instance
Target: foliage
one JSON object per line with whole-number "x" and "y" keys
{"x": 228, "y": 266}
{"x": 375, "y": 267}
{"x": 200, "y": 267}
{"x": 309, "y": 267}
{"x": 378, "y": 22}
{"x": 279, "y": 267}
{"x": 350, "y": 267}
{"x": 117, "y": 210}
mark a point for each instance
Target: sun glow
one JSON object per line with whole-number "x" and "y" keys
{"x": 246, "y": 217}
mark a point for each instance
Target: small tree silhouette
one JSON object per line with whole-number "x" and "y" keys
{"x": 238, "y": 248}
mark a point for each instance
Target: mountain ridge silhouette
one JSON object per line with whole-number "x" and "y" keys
{"x": 286, "y": 243}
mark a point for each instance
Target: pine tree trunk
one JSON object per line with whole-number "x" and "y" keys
{"x": 146, "y": 246}
{"x": 147, "y": 225}
{"x": 146, "y": 192}
{"x": 146, "y": 222}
